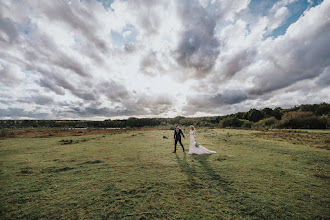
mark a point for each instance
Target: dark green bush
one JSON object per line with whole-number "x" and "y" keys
{"x": 3, "y": 133}
{"x": 235, "y": 123}
{"x": 297, "y": 119}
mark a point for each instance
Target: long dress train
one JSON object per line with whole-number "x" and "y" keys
{"x": 197, "y": 150}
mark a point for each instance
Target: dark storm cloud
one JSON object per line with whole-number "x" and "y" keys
{"x": 198, "y": 48}
{"x": 7, "y": 26}
{"x": 57, "y": 83}
{"x": 38, "y": 99}
{"x": 232, "y": 97}
{"x": 21, "y": 113}
{"x": 51, "y": 85}
{"x": 80, "y": 91}
{"x": 113, "y": 90}
{"x": 56, "y": 80}
{"x": 232, "y": 64}
{"x": 42, "y": 99}
{"x": 324, "y": 78}
{"x": 211, "y": 103}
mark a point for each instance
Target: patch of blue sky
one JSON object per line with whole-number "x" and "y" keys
{"x": 261, "y": 7}
{"x": 28, "y": 27}
{"x": 126, "y": 36}
{"x": 296, "y": 10}
{"x": 106, "y": 3}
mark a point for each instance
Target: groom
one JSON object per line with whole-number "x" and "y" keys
{"x": 177, "y": 137}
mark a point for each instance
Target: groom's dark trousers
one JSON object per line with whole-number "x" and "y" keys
{"x": 177, "y": 138}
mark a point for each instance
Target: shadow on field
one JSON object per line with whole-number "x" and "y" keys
{"x": 187, "y": 169}
{"x": 246, "y": 204}
{"x": 209, "y": 175}
{"x": 212, "y": 175}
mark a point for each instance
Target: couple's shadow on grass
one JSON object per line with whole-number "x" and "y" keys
{"x": 208, "y": 174}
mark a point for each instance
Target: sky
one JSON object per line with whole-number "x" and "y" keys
{"x": 114, "y": 59}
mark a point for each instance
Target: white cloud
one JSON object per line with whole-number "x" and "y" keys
{"x": 170, "y": 57}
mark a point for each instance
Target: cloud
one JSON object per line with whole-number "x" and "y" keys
{"x": 11, "y": 74}
{"x": 139, "y": 104}
{"x": 198, "y": 48}
{"x": 79, "y": 17}
{"x": 295, "y": 56}
{"x": 150, "y": 104}
{"x": 324, "y": 79}
{"x": 230, "y": 64}
{"x": 8, "y": 30}
{"x": 42, "y": 99}
{"x": 277, "y": 18}
{"x": 211, "y": 103}
{"x": 151, "y": 64}
{"x": 101, "y": 59}
{"x": 21, "y": 114}
{"x": 114, "y": 91}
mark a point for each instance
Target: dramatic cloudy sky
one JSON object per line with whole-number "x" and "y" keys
{"x": 98, "y": 59}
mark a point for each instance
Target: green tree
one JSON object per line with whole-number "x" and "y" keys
{"x": 255, "y": 115}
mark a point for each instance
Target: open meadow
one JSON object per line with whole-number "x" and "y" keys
{"x": 132, "y": 174}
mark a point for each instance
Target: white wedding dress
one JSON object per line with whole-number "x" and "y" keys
{"x": 197, "y": 150}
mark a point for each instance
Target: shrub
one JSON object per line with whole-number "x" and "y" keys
{"x": 235, "y": 122}
{"x": 3, "y": 133}
{"x": 267, "y": 122}
{"x": 246, "y": 123}
{"x": 297, "y": 119}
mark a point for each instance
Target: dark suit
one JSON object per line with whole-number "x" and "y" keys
{"x": 177, "y": 138}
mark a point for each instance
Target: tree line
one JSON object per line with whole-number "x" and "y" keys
{"x": 311, "y": 116}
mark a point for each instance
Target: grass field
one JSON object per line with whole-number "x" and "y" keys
{"x": 133, "y": 175}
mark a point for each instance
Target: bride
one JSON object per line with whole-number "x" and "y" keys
{"x": 196, "y": 148}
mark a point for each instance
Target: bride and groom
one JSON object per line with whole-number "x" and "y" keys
{"x": 194, "y": 147}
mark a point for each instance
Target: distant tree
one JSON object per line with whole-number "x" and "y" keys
{"x": 255, "y": 115}
{"x": 186, "y": 121}
{"x": 277, "y": 113}
{"x": 296, "y": 119}
{"x": 239, "y": 115}
{"x": 177, "y": 119}
{"x": 245, "y": 115}
{"x": 267, "y": 112}
{"x": 231, "y": 122}
{"x": 323, "y": 109}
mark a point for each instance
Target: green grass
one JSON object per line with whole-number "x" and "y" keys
{"x": 134, "y": 175}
